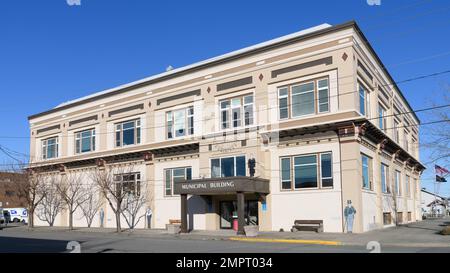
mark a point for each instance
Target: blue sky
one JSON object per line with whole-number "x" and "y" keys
{"x": 51, "y": 52}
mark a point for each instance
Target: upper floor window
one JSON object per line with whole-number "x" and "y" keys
{"x": 396, "y": 132}
{"x": 50, "y": 148}
{"x": 304, "y": 99}
{"x": 85, "y": 141}
{"x": 382, "y": 119}
{"x": 173, "y": 176}
{"x": 128, "y": 133}
{"x": 236, "y": 112}
{"x": 405, "y": 140}
{"x": 366, "y": 172}
{"x": 307, "y": 171}
{"x": 180, "y": 122}
{"x": 384, "y": 178}
{"x": 364, "y": 103}
{"x": 228, "y": 166}
{"x": 128, "y": 183}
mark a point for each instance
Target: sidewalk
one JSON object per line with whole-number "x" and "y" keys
{"x": 420, "y": 234}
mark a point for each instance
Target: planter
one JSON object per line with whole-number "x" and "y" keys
{"x": 173, "y": 228}
{"x": 251, "y": 231}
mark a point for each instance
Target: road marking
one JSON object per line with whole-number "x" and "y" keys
{"x": 288, "y": 241}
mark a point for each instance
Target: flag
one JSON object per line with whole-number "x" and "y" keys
{"x": 440, "y": 170}
{"x": 440, "y": 179}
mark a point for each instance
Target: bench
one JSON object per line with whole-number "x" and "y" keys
{"x": 308, "y": 225}
{"x": 174, "y": 222}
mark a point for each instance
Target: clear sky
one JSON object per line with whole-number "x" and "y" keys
{"x": 51, "y": 52}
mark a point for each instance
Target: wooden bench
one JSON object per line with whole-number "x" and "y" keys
{"x": 308, "y": 225}
{"x": 174, "y": 222}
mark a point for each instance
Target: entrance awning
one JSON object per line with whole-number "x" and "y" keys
{"x": 222, "y": 185}
{"x": 238, "y": 185}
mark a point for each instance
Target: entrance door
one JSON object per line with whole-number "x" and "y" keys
{"x": 228, "y": 212}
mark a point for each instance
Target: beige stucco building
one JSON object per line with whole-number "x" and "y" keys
{"x": 316, "y": 110}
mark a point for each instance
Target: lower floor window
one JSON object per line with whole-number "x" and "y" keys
{"x": 399, "y": 217}
{"x": 128, "y": 183}
{"x": 307, "y": 171}
{"x": 387, "y": 219}
{"x": 172, "y": 176}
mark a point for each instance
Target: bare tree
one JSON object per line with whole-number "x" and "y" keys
{"x": 109, "y": 180}
{"x": 52, "y": 202}
{"x": 438, "y": 135}
{"x": 31, "y": 188}
{"x": 90, "y": 203}
{"x": 71, "y": 190}
{"x": 393, "y": 202}
{"x": 134, "y": 203}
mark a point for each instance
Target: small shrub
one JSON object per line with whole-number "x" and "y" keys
{"x": 446, "y": 231}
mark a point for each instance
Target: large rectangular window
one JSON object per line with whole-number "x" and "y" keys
{"x": 364, "y": 103}
{"x": 128, "y": 183}
{"x": 50, "y": 148}
{"x": 307, "y": 171}
{"x": 236, "y": 112}
{"x": 407, "y": 186}
{"x": 180, "y": 122}
{"x": 128, "y": 133}
{"x": 398, "y": 190}
{"x": 228, "y": 166}
{"x": 406, "y": 140}
{"x": 366, "y": 172}
{"x": 396, "y": 131}
{"x": 382, "y": 119}
{"x": 384, "y": 178}
{"x": 172, "y": 176}
{"x": 303, "y": 99}
{"x": 85, "y": 141}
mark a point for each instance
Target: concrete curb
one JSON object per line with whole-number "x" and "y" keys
{"x": 287, "y": 241}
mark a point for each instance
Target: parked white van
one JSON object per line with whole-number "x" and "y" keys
{"x": 18, "y": 214}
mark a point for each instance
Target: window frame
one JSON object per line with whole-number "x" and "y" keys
{"x": 398, "y": 183}
{"x": 382, "y": 118}
{"x": 289, "y": 96}
{"x": 172, "y": 185}
{"x": 369, "y": 172}
{"x": 318, "y": 172}
{"x": 45, "y": 146}
{"x": 229, "y": 112}
{"x": 387, "y": 188}
{"x": 137, "y": 182}
{"x": 137, "y": 130}
{"x": 188, "y": 121}
{"x": 234, "y": 162}
{"x": 366, "y": 99}
{"x": 79, "y": 137}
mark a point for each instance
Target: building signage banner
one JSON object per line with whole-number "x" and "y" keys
{"x": 221, "y": 185}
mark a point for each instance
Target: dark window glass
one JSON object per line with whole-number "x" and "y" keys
{"x": 326, "y": 168}
{"x": 240, "y": 166}
{"x": 227, "y": 166}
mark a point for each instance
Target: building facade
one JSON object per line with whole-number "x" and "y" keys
{"x": 314, "y": 114}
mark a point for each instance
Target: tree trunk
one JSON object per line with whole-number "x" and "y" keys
{"x": 70, "y": 219}
{"x": 31, "y": 218}
{"x": 118, "y": 227}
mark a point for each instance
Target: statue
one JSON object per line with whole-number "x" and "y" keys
{"x": 349, "y": 214}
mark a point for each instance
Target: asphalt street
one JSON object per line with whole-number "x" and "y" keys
{"x": 23, "y": 241}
